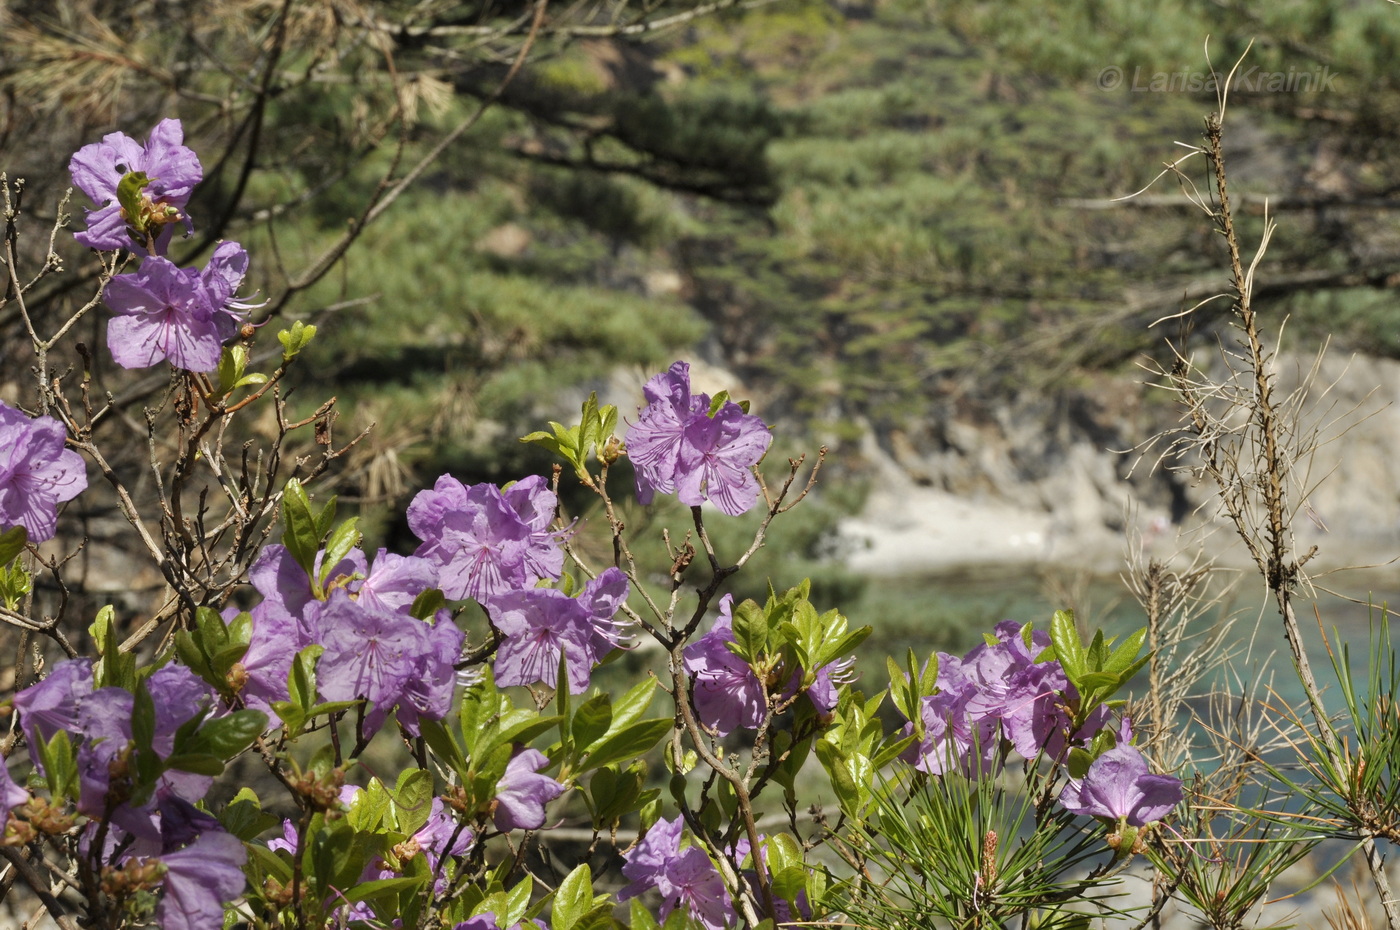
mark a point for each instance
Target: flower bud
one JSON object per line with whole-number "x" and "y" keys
{"x": 18, "y": 832}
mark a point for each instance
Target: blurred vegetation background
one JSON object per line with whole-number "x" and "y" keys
{"x": 876, "y": 216}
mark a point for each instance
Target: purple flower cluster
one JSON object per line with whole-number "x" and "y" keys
{"x": 163, "y": 312}
{"x": 683, "y": 877}
{"x": 374, "y": 648}
{"x": 677, "y": 446}
{"x": 687, "y": 878}
{"x": 997, "y": 692}
{"x": 485, "y": 541}
{"x": 727, "y": 693}
{"x": 540, "y": 624}
{"x": 200, "y": 863}
{"x": 36, "y": 472}
{"x": 494, "y": 546}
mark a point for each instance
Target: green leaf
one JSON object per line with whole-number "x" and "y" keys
{"x": 833, "y": 760}
{"x": 232, "y": 362}
{"x": 295, "y": 339}
{"x": 789, "y": 882}
{"x": 628, "y": 743}
{"x": 245, "y": 818}
{"x": 541, "y": 438}
{"x": 12, "y": 543}
{"x": 750, "y": 627}
{"x": 60, "y": 765}
{"x": 1079, "y": 762}
{"x": 200, "y": 763}
{"x": 1064, "y": 636}
{"x": 301, "y": 677}
{"x": 889, "y": 752}
{"x": 847, "y": 644}
{"x": 899, "y": 689}
{"x": 518, "y": 901}
{"x": 370, "y": 809}
{"x": 143, "y": 719}
{"x": 591, "y": 720}
{"x": 443, "y": 745}
{"x": 192, "y": 657}
{"x": 115, "y": 668}
{"x": 329, "y": 851}
{"x": 615, "y": 794}
{"x": 928, "y": 681}
{"x": 413, "y": 800}
{"x": 631, "y": 706}
{"x": 224, "y": 660}
{"x": 15, "y": 584}
{"x": 784, "y": 853}
{"x": 428, "y": 603}
{"x": 573, "y": 898}
{"x": 299, "y": 533}
{"x": 639, "y": 917}
{"x": 271, "y": 863}
{"x": 380, "y": 888}
{"x": 226, "y": 737}
{"x": 1125, "y": 655}
{"x": 132, "y": 202}
{"x": 345, "y": 538}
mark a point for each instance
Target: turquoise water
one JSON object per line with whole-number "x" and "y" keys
{"x": 950, "y": 612}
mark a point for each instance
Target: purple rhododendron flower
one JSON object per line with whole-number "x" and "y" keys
{"x": 484, "y": 541}
{"x": 1118, "y": 786}
{"x": 395, "y": 581}
{"x": 676, "y": 445}
{"x": 164, "y": 312}
{"x": 51, "y": 705}
{"x": 522, "y": 792}
{"x": 442, "y": 835}
{"x": 11, "y": 794}
{"x": 999, "y": 690}
{"x": 374, "y": 648}
{"x": 954, "y": 740}
{"x": 103, "y": 733}
{"x": 727, "y": 692}
{"x": 286, "y": 589}
{"x": 824, "y": 692}
{"x": 199, "y": 879}
{"x": 487, "y": 921}
{"x": 273, "y": 644}
{"x": 174, "y": 170}
{"x": 684, "y": 878}
{"x": 370, "y": 652}
{"x": 654, "y": 441}
{"x": 36, "y": 472}
{"x": 540, "y": 624}
{"x": 428, "y": 692}
{"x": 1028, "y": 697}
{"x": 717, "y": 459}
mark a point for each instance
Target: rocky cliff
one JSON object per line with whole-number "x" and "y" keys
{"x": 1070, "y": 477}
